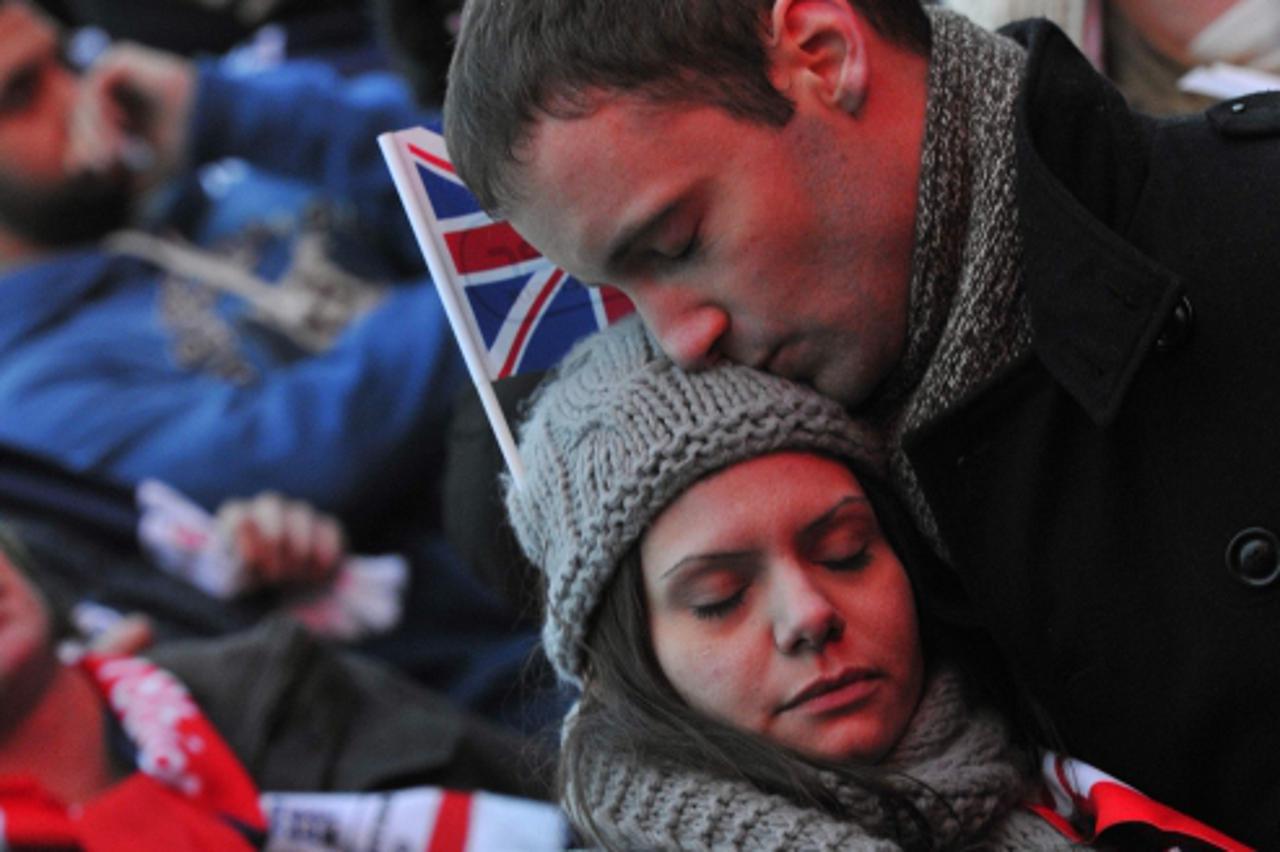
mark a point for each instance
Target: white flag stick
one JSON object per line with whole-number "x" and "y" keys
{"x": 433, "y": 249}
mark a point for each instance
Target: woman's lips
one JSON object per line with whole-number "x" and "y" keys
{"x": 826, "y": 694}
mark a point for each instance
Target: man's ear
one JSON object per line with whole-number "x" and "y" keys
{"x": 818, "y": 45}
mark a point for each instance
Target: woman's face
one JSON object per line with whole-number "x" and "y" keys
{"x": 776, "y": 606}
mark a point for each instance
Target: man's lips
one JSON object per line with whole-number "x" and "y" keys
{"x": 846, "y": 687}
{"x": 775, "y": 362}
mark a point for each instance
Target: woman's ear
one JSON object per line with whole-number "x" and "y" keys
{"x": 818, "y": 47}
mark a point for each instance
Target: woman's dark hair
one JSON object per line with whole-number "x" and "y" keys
{"x": 629, "y": 707}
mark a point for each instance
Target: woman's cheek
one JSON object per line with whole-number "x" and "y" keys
{"x": 715, "y": 679}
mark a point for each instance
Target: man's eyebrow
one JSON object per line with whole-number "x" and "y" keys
{"x": 625, "y": 242}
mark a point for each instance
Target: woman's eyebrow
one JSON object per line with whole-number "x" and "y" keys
{"x": 706, "y": 561}
{"x": 831, "y": 515}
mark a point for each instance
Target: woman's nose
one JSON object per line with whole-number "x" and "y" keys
{"x": 804, "y": 617}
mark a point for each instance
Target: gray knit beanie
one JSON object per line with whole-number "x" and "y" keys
{"x": 617, "y": 434}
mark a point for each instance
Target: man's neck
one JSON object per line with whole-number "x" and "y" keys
{"x": 60, "y": 741}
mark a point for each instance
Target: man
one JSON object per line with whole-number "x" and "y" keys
{"x": 167, "y": 312}
{"x": 1060, "y": 313}
{"x": 116, "y": 752}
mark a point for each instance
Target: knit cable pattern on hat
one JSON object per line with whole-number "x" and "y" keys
{"x": 617, "y": 434}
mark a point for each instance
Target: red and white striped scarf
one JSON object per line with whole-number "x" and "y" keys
{"x": 1085, "y": 803}
{"x": 189, "y": 794}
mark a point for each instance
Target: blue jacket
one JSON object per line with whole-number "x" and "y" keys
{"x": 92, "y": 373}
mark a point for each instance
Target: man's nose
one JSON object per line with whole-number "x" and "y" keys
{"x": 690, "y": 329}
{"x": 803, "y": 614}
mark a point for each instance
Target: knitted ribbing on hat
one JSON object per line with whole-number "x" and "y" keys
{"x": 616, "y": 434}
{"x": 967, "y": 317}
{"x": 975, "y": 781}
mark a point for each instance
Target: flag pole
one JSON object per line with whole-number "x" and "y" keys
{"x": 472, "y": 354}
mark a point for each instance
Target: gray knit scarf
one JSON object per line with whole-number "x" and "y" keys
{"x": 956, "y": 766}
{"x": 967, "y": 317}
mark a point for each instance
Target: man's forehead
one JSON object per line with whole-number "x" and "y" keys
{"x": 563, "y": 202}
{"x": 594, "y": 176}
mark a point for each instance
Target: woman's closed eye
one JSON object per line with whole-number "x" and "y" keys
{"x": 719, "y": 607}
{"x": 850, "y": 562}
{"x": 843, "y": 539}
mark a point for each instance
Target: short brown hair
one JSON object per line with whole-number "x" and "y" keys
{"x": 518, "y": 59}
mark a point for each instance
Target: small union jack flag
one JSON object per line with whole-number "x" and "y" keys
{"x": 525, "y": 311}
{"x": 511, "y": 309}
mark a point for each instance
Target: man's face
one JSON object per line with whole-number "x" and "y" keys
{"x": 36, "y": 96}
{"x": 26, "y": 644}
{"x": 785, "y": 249}
{"x": 39, "y": 197}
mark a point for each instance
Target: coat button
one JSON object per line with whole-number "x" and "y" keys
{"x": 1253, "y": 556}
{"x": 1251, "y": 116}
{"x": 1177, "y": 328}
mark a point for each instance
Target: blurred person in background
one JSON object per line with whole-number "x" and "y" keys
{"x": 1146, "y": 46}
{"x": 262, "y": 323}
{"x": 230, "y": 326}
{"x": 111, "y": 751}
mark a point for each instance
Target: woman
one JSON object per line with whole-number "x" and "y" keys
{"x": 747, "y": 641}
{"x": 724, "y": 583}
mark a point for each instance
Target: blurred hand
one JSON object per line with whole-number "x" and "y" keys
{"x": 131, "y": 635}
{"x": 132, "y": 110}
{"x": 283, "y": 541}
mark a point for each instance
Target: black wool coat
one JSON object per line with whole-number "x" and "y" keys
{"x": 1112, "y": 502}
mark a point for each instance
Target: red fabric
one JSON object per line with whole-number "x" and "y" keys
{"x": 176, "y": 744}
{"x": 1083, "y": 803}
{"x": 1057, "y": 820}
{"x": 138, "y": 813}
{"x": 189, "y": 794}
{"x": 141, "y": 813}
{"x": 1117, "y": 804}
{"x": 30, "y": 815}
{"x": 452, "y": 823}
